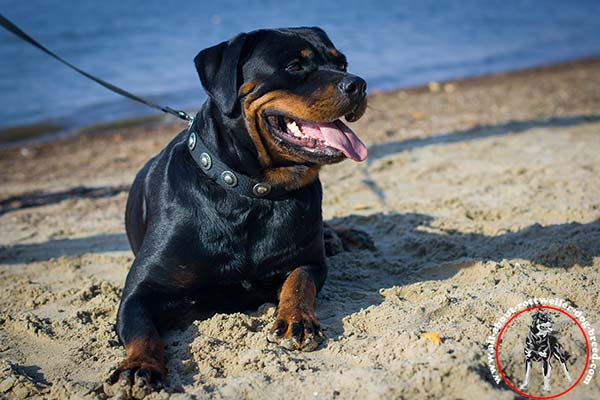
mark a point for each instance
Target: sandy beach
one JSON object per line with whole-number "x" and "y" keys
{"x": 478, "y": 194}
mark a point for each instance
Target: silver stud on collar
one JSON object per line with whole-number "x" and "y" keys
{"x": 229, "y": 178}
{"x": 261, "y": 189}
{"x": 205, "y": 161}
{"x": 192, "y": 141}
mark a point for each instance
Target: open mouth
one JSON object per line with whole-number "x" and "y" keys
{"x": 329, "y": 139}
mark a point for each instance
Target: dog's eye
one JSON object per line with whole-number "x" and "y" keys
{"x": 344, "y": 67}
{"x": 294, "y": 66}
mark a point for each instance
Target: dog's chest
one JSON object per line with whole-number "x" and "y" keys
{"x": 251, "y": 240}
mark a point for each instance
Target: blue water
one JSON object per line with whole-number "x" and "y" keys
{"x": 147, "y": 46}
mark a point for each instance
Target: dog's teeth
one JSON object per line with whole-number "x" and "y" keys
{"x": 294, "y": 129}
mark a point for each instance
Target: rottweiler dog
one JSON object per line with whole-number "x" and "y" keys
{"x": 541, "y": 346}
{"x": 228, "y": 215}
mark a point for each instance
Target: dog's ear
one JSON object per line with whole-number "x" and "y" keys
{"x": 219, "y": 68}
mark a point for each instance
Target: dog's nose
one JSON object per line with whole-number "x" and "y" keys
{"x": 353, "y": 86}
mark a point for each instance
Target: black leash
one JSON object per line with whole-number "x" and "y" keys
{"x": 9, "y": 26}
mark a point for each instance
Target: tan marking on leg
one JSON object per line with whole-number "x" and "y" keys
{"x": 145, "y": 352}
{"x": 296, "y": 326}
{"x": 298, "y": 292}
{"x": 183, "y": 277}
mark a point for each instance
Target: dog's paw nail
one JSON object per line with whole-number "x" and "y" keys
{"x": 272, "y": 337}
{"x": 287, "y": 344}
{"x": 125, "y": 378}
{"x": 310, "y": 343}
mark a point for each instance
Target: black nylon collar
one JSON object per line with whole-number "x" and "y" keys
{"x": 219, "y": 172}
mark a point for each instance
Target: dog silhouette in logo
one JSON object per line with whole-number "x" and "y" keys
{"x": 541, "y": 346}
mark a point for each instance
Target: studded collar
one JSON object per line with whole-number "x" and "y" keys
{"x": 219, "y": 172}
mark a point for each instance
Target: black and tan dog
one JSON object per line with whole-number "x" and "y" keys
{"x": 541, "y": 346}
{"x": 228, "y": 215}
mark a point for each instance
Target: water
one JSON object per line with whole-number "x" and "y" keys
{"x": 147, "y": 46}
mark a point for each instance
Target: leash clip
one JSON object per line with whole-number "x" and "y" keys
{"x": 186, "y": 116}
{"x": 189, "y": 118}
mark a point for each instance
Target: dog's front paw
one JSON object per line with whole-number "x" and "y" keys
{"x": 547, "y": 388}
{"x": 296, "y": 330}
{"x": 134, "y": 379}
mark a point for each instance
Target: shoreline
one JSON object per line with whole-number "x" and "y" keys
{"x": 47, "y": 131}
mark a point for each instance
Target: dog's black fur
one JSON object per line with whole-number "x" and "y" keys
{"x": 201, "y": 246}
{"x": 541, "y": 346}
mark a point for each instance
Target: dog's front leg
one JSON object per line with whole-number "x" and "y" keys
{"x": 547, "y": 369}
{"x": 296, "y": 326}
{"x": 143, "y": 369}
{"x": 527, "y": 373}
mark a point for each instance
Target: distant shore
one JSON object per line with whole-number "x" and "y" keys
{"x": 50, "y": 131}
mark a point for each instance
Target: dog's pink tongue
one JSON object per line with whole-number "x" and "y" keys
{"x": 338, "y": 135}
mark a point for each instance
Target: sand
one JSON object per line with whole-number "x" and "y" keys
{"x": 478, "y": 194}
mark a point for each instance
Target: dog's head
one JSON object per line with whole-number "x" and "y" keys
{"x": 291, "y": 88}
{"x": 541, "y": 323}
